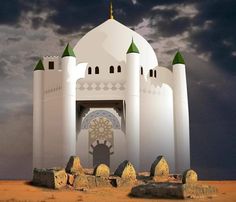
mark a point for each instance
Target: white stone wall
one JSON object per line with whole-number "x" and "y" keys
{"x": 52, "y": 119}
{"x": 157, "y": 136}
{"x": 157, "y": 119}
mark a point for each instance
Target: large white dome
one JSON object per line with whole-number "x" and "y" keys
{"x": 108, "y": 43}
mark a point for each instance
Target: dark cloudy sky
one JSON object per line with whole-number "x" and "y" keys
{"x": 204, "y": 30}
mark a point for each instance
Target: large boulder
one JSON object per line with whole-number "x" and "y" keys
{"x": 126, "y": 171}
{"x": 102, "y": 170}
{"x": 173, "y": 190}
{"x": 74, "y": 167}
{"x": 54, "y": 178}
{"x": 189, "y": 176}
{"x": 159, "y": 169}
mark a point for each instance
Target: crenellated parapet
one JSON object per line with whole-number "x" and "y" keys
{"x": 51, "y": 62}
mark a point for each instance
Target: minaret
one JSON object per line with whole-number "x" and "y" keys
{"x": 111, "y": 10}
{"x": 132, "y": 100}
{"x": 68, "y": 104}
{"x": 181, "y": 115}
{"x": 38, "y": 115}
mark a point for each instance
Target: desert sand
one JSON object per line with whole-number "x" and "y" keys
{"x": 22, "y": 191}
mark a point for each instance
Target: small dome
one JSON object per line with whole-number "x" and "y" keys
{"x": 108, "y": 43}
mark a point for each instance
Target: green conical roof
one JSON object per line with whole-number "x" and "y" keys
{"x": 133, "y": 48}
{"x": 68, "y": 51}
{"x": 178, "y": 59}
{"x": 39, "y": 66}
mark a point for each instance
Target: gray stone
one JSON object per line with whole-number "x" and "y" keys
{"x": 102, "y": 170}
{"x": 126, "y": 171}
{"x": 189, "y": 176}
{"x": 80, "y": 182}
{"x": 159, "y": 169}
{"x": 74, "y": 167}
{"x": 54, "y": 178}
{"x": 173, "y": 190}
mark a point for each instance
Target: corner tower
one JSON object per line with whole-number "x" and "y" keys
{"x": 181, "y": 114}
{"x": 38, "y": 115}
{"x": 133, "y": 104}
{"x": 68, "y": 104}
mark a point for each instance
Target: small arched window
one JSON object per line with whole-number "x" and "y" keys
{"x": 155, "y": 73}
{"x": 151, "y": 73}
{"x": 141, "y": 70}
{"x": 111, "y": 69}
{"x": 96, "y": 70}
{"x": 89, "y": 70}
{"x": 119, "y": 68}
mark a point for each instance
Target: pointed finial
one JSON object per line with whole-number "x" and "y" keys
{"x": 39, "y": 66}
{"x": 111, "y": 10}
{"x": 68, "y": 51}
{"x": 178, "y": 59}
{"x": 133, "y": 48}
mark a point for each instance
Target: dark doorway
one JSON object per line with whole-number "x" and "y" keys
{"x": 101, "y": 154}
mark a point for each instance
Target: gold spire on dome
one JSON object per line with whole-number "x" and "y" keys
{"x": 111, "y": 10}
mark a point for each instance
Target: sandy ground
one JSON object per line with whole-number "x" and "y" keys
{"x": 22, "y": 191}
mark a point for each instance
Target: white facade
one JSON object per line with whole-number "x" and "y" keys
{"x": 107, "y": 105}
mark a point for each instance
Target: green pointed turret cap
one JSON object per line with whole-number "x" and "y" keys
{"x": 133, "y": 48}
{"x": 39, "y": 66}
{"x": 68, "y": 51}
{"x": 178, "y": 59}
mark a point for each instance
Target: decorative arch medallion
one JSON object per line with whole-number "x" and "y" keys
{"x": 101, "y": 113}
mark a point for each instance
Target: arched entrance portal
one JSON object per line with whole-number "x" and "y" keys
{"x": 101, "y": 154}
{"x": 101, "y": 140}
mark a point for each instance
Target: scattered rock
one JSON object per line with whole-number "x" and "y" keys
{"x": 173, "y": 190}
{"x": 121, "y": 182}
{"x": 189, "y": 176}
{"x": 81, "y": 181}
{"x": 54, "y": 178}
{"x": 74, "y": 167}
{"x": 91, "y": 181}
{"x": 70, "y": 179}
{"x": 159, "y": 167}
{"x": 102, "y": 182}
{"x": 126, "y": 171}
{"x": 102, "y": 170}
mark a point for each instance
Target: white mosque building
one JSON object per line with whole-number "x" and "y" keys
{"x": 107, "y": 100}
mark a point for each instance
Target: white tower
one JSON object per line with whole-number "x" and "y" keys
{"x": 133, "y": 105}
{"x": 181, "y": 115}
{"x": 38, "y": 115}
{"x": 68, "y": 104}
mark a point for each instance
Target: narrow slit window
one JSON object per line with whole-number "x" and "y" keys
{"x": 97, "y": 70}
{"x": 89, "y": 70}
{"x": 141, "y": 70}
{"x": 51, "y": 65}
{"x": 155, "y": 73}
{"x": 119, "y": 68}
{"x": 151, "y": 73}
{"x": 111, "y": 69}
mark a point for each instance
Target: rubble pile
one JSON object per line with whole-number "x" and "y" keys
{"x": 158, "y": 183}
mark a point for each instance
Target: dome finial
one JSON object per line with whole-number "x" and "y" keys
{"x": 133, "y": 48}
{"x": 111, "y": 10}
